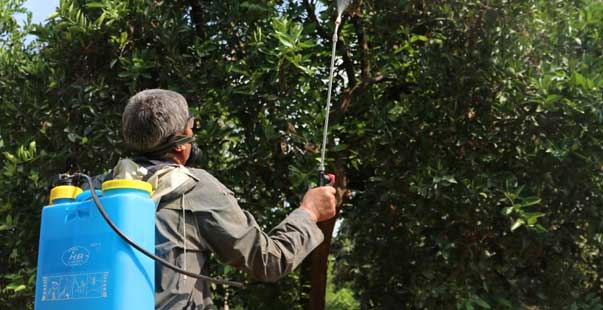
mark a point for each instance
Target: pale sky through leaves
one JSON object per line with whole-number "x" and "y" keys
{"x": 41, "y": 9}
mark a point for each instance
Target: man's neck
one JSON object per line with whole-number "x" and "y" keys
{"x": 176, "y": 159}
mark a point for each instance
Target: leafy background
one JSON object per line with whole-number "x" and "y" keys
{"x": 466, "y": 135}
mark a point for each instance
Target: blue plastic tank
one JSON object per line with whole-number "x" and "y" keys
{"x": 83, "y": 264}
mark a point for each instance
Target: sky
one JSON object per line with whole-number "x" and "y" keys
{"x": 41, "y": 9}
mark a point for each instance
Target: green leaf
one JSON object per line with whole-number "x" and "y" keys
{"x": 95, "y": 5}
{"x": 480, "y": 302}
{"x": 20, "y": 288}
{"x": 256, "y": 7}
{"x": 507, "y": 210}
{"x": 518, "y": 223}
{"x": 10, "y": 157}
{"x": 285, "y": 40}
{"x": 552, "y": 99}
{"x": 533, "y": 217}
{"x": 15, "y": 287}
{"x": 339, "y": 147}
{"x": 530, "y": 201}
{"x": 416, "y": 38}
{"x": 449, "y": 179}
{"x": 52, "y": 15}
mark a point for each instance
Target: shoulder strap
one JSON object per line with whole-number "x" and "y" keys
{"x": 168, "y": 180}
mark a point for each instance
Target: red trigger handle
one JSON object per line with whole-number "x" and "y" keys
{"x": 326, "y": 179}
{"x": 331, "y": 179}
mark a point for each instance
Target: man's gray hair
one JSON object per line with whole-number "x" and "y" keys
{"x": 151, "y": 117}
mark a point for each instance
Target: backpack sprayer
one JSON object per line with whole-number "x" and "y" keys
{"x": 97, "y": 247}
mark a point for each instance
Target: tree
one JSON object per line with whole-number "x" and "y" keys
{"x": 479, "y": 167}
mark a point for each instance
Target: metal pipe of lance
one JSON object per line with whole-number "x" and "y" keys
{"x": 341, "y": 6}
{"x": 329, "y": 94}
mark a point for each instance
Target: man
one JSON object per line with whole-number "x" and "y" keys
{"x": 197, "y": 215}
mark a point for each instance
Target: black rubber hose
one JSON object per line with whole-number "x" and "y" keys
{"x": 156, "y": 258}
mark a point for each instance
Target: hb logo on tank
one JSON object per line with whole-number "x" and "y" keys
{"x": 75, "y": 256}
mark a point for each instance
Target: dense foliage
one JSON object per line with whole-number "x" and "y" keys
{"x": 466, "y": 135}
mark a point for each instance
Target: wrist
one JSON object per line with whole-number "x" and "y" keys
{"x": 311, "y": 213}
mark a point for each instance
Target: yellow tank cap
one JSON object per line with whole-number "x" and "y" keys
{"x": 127, "y": 184}
{"x": 64, "y": 191}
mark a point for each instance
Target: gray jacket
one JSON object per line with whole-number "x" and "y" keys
{"x": 201, "y": 216}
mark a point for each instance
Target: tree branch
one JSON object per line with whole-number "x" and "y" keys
{"x": 348, "y": 94}
{"x": 365, "y": 63}
{"x": 197, "y": 17}
{"x": 312, "y": 17}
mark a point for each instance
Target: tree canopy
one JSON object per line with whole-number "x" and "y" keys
{"x": 466, "y": 135}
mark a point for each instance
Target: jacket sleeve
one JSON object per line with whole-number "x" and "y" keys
{"x": 236, "y": 238}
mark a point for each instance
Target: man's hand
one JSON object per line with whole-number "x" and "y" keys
{"x": 320, "y": 202}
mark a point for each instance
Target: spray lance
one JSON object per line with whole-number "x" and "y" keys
{"x": 319, "y": 258}
{"x": 322, "y": 177}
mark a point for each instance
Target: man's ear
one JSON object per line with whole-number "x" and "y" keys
{"x": 179, "y": 149}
